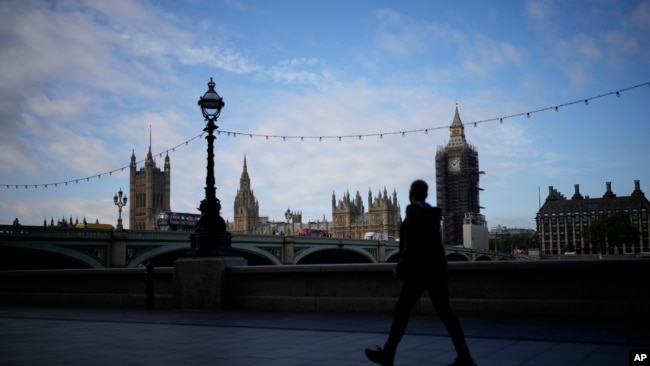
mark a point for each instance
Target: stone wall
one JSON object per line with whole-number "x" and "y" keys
{"x": 591, "y": 289}
{"x": 86, "y": 287}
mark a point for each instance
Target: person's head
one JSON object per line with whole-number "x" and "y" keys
{"x": 418, "y": 191}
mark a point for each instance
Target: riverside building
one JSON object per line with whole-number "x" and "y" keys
{"x": 561, "y": 221}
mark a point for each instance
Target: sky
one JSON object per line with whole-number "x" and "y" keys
{"x": 84, "y": 84}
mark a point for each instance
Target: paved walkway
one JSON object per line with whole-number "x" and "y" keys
{"x": 71, "y": 336}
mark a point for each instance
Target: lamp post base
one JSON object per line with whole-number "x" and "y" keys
{"x": 211, "y": 245}
{"x": 198, "y": 282}
{"x": 211, "y": 238}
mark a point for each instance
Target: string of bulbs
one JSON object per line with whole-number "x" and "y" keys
{"x": 339, "y": 137}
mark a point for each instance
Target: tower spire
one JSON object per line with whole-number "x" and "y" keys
{"x": 245, "y": 181}
{"x": 457, "y": 130}
{"x": 149, "y": 156}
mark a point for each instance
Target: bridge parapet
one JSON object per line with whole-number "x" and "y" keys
{"x": 48, "y": 231}
{"x": 97, "y": 248}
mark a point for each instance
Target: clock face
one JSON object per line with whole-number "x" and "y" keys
{"x": 454, "y": 164}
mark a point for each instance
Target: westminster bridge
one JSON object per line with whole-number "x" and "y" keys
{"x": 38, "y": 247}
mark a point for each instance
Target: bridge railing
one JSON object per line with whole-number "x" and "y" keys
{"x": 47, "y": 231}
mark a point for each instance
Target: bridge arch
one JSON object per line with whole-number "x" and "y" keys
{"x": 257, "y": 256}
{"x": 54, "y": 251}
{"x": 340, "y": 256}
{"x": 392, "y": 256}
{"x": 483, "y": 258}
{"x": 457, "y": 257}
{"x": 157, "y": 251}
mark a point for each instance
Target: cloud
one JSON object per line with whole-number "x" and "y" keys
{"x": 298, "y": 70}
{"x": 641, "y": 15}
{"x": 477, "y": 54}
{"x": 402, "y": 36}
{"x": 540, "y": 10}
{"x": 484, "y": 56}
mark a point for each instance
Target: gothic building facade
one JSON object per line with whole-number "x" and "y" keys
{"x": 561, "y": 221}
{"x": 350, "y": 219}
{"x": 246, "y": 208}
{"x": 247, "y": 219}
{"x": 149, "y": 192}
{"x": 457, "y": 184}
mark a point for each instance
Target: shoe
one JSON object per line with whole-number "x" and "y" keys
{"x": 380, "y": 356}
{"x": 463, "y": 362}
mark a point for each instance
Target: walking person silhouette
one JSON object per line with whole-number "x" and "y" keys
{"x": 422, "y": 266}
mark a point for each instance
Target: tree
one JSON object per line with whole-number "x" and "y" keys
{"x": 614, "y": 230}
{"x": 508, "y": 242}
{"x": 570, "y": 248}
{"x": 622, "y": 232}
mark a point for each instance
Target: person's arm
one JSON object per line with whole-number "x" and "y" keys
{"x": 408, "y": 253}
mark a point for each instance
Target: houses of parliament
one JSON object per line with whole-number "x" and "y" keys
{"x": 456, "y": 191}
{"x": 150, "y": 194}
{"x": 349, "y": 217}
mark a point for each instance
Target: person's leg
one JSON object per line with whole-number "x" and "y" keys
{"x": 439, "y": 293}
{"x": 409, "y": 295}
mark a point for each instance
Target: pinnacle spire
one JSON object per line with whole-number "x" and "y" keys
{"x": 457, "y": 139}
{"x": 149, "y": 156}
{"x": 244, "y": 180}
{"x": 456, "y": 122}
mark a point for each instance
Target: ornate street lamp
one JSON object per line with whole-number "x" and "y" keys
{"x": 119, "y": 202}
{"x": 210, "y": 238}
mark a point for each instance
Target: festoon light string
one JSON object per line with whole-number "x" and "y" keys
{"x": 338, "y": 137}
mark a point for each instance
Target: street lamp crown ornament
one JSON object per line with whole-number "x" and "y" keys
{"x": 211, "y": 103}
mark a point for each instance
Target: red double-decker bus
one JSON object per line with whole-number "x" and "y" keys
{"x": 177, "y": 221}
{"x": 305, "y": 231}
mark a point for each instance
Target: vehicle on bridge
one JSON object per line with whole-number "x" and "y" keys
{"x": 94, "y": 226}
{"x": 378, "y": 236}
{"x": 177, "y": 221}
{"x": 305, "y": 231}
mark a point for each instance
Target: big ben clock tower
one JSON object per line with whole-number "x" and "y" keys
{"x": 457, "y": 176}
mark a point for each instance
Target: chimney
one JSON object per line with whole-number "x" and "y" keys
{"x": 609, "y": 192}
{"x": 576, "y": 195}
{"x": 637, "y": 189}
{"x": 551, "y": 194}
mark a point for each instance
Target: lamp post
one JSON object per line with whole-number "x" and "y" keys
{"x": 120, "y": 202}
{"x": 210, "y": 238}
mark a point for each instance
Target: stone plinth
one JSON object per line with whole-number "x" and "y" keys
{"x": 199, "y": 281}
{"x": 118, "y": 249}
